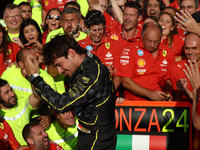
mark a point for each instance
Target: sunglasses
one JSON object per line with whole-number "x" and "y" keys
{"x": 51, "y": 17}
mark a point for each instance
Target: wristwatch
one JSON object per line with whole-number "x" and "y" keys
{"x": 33, "y": 76}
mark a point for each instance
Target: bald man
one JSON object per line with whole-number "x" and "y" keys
{"x": 182, "y": 87}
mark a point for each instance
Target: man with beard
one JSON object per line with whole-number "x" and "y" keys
{"x": 153, "y": 7}
{"x": 37, "y": 139}
{"x": 70, "y": 24}
{"x": 26, "y": 10}
{"x": 16, "y": 112}
{"x": 130, "y": 30}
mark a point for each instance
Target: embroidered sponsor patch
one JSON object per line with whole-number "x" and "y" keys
{"x": 140, "y": 52}
{"x": 164, "y": 53}
{"x": 141, "y": 62}
{"x": 89, "y": 47}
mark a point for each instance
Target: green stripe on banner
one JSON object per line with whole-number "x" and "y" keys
{"x": 124, "y": 142}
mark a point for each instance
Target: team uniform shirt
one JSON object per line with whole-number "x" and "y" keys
{"x": 52, "y": 147}
{"x": 178, "y": 44}
{"x": 12, "y": 52}
{"x": 175, "y": 73}
{"x": 44, "y": 37}
{"x": 7, "y": 138}
{"x": 59, "y": 31}
{"x": 49, "y": 4}
{"x": 67, "y": 139}
{"x": 108, "y": 50}
{"x": 181, "y": 32}
{"x": 92, "y": 95}
{"x": 17, "y": 117}
{"x": 115, "y": 32}
{"x": 138, "y": 64}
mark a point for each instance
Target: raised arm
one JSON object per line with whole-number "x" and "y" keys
{"x": 117, "y": 11}
{"x": 94, "y": 4}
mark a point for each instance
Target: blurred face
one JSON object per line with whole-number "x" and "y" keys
{"x": 30, "y": 33}
{"x": 26, "y": 11}
{"x": 189, "y": 6}
{"x": 40, "y": 138}
{"x": 53, "y": 20}
{"x": 153, "y": 8}
{"x": 171, "y": 11}
{"x": 192, "y": 47}
{"x": 70, "y": 23}
{"x": 121, "y": 3}
{"x": 8, "y": 97}
{"x": 66, "y": 119}
{"x": 1, "y": 36}
{"x": 151, "y": 38}
{"x": 166, "y": 24}
{"x": 13, "y": 19}
{"x": 104, "y": 4}
{"x": 67, "y": 67}
{"x": 130, "y": 18}
{"x": 96, "y": 33}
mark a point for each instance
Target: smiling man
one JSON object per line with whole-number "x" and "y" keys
{"x": 91, "y": 91}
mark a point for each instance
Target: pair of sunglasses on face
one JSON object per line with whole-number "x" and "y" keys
{"x": 51, "y": 17}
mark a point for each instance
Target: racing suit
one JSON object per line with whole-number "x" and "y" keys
{"x": 92, "y": 94}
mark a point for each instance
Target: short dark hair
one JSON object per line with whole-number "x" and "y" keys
{"x": 26, "y": 23}
{"x": 59, "y": 46}
{"x": 70, "y": 10}
{"x": 10, "y": 6}
{"x": 153, "y": 18}
{"x": 20, "y": 55}
{"x": 2, "y": 83}
{"x": 161, "y": 5}
{"x": 24, "y": 4}
{"x": 26, "y": 132}
{"x": 196, "y": 3}
{"x": 73, "y": 4}
{"x": 136, "y": 5}
{"x": 94, "y": 17}
{"x": 147, "y": 24}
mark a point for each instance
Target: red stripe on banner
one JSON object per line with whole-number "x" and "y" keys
{"x": 157, "y": 142}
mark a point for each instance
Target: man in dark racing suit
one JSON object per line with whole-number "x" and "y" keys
{"x": 91, "y": 91}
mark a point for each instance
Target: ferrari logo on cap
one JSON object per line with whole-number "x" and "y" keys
{"x": 107, "y": 45}
{"x": 164, "y": 53}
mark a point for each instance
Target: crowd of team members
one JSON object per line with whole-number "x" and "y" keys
{"x": 142, "y": 43}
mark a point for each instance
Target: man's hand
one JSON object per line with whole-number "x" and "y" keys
{"x": 182, "y": 85}
{"x": 157, "y": 96}
{"x": 17, "y": 41}
{"x": 110, "y": 68}
{"x": 36, "y": 45}
{"x": 193, "y": 75}
{"x": 120, "y": 100}
{"x": 45, "y": 121}
{"x": 31, "y": 66}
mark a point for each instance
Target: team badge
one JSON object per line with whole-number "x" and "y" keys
{"x": 140, "y": 52}
{"x": 114, "y": 37}
{"x": 107, "y": 45}
{"x": 196, "y": 143}
{"x": 89, "y": 47}
{"x": 108, "y": 54}
{"x": 164, "y": 52}
{"x": 141, "y": 62}
{"x": 1, "y": 126}
{"x": 46, "y": 2}
{"x": 9, "y": 51}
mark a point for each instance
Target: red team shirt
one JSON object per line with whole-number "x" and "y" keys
{"x": 49, "y": 4}
{"x": 177, "y": 47}
{"x": 114, "y": 31}
{"x": 52, "y": 147}
{"x": 108, "y": 50}
{"x": 12, "y": 52}
{"x": 138, "y": 64}
{"x": 7, "y": 138}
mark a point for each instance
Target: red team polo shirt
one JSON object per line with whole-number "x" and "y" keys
{"x": 115, "y": 32}
{"x": 108, "y": 50}
{"x": 52, "y": 147}
{"x": 7, "y": 138}
{"x": 138, "y": 64}
{"x": 175, "y": 73}
{"x": 177, "y": 47}
{"x": 12, "y": 52}
{"x": 49, "y": 4}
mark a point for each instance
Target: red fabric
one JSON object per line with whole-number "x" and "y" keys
{"x": 196, "y": 141}
{"x": 7, "y": 138}
{"x": 177, "y": 47}
{"x": 175, "y": 4}
{"x": 138, "y": 64}
{"x": 181, "y": 32}
{"x": 114, "y": 31}
{"x": 12, "y": 50}
{"x": 108, "y": 52}
{"x": 176, "y": 72}
{"x": 49, "y": 4}
{"x": 44, "y": 37}
{"x": 52, "y": 147}
{"x": 157, "y": 142}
